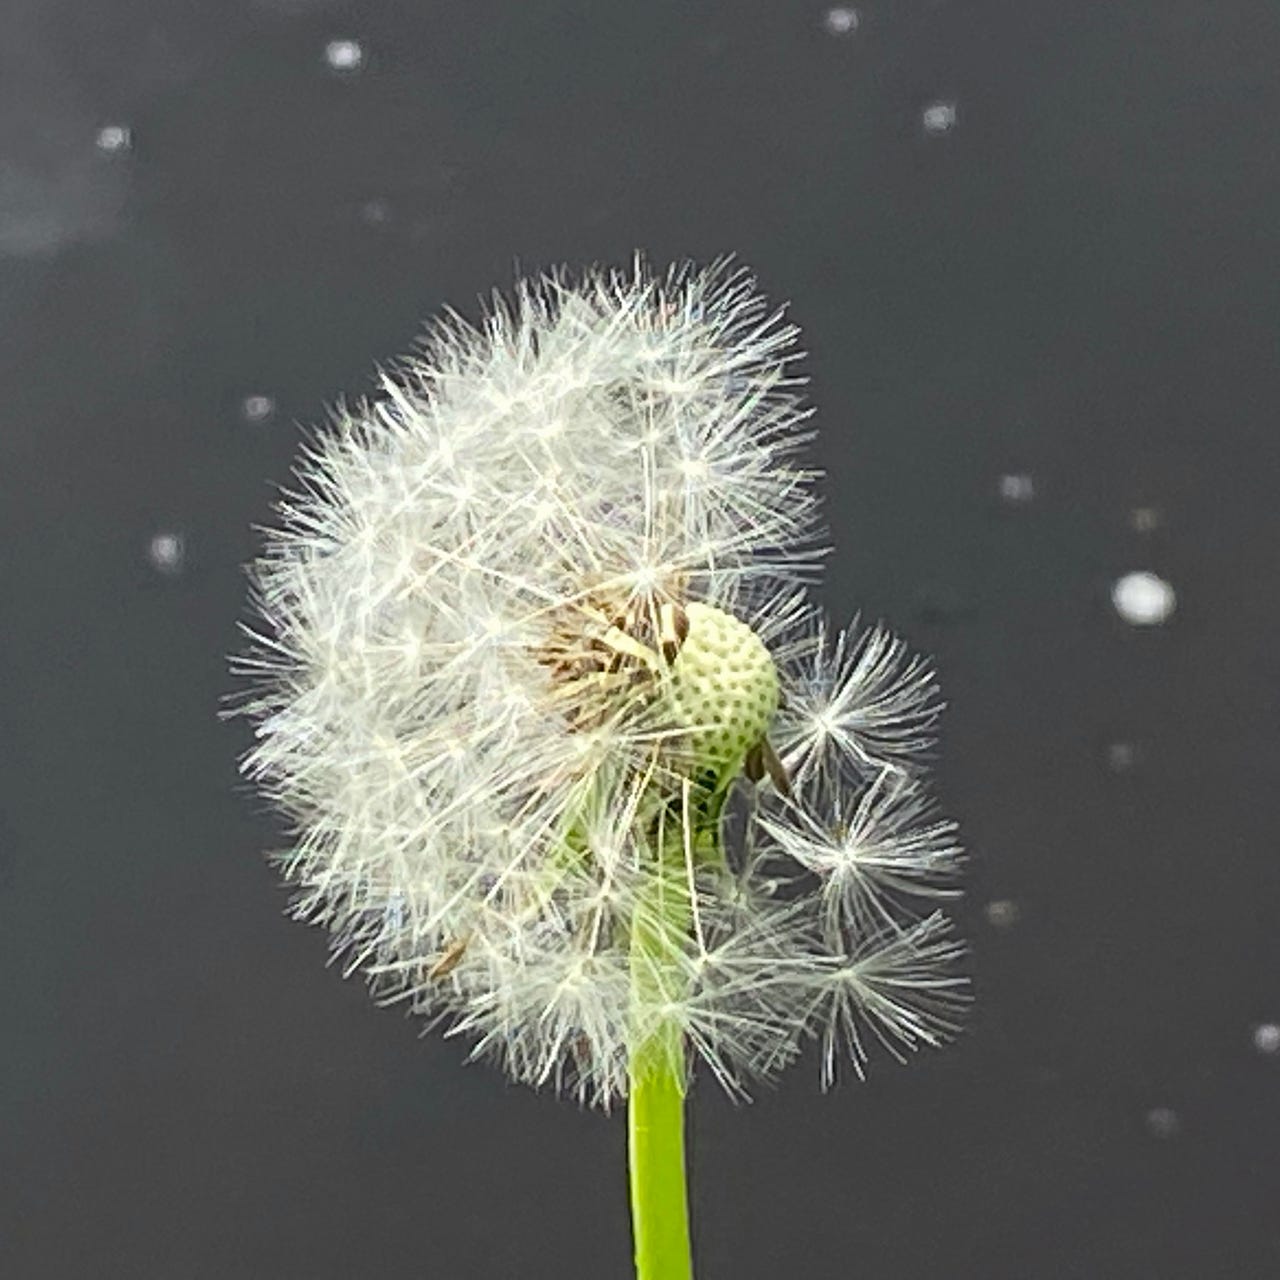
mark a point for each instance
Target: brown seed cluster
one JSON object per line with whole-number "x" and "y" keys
{"x": 606, "y": 651}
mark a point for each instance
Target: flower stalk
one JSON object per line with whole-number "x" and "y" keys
{"x": 659, "y": 1201}
{"x": 655, "y": 1106}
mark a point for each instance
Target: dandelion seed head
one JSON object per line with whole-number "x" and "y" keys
{"x": 531, "y": 638}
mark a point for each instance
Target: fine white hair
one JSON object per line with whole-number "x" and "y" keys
{"x": 453, "y": 617}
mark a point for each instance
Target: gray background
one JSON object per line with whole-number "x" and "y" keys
{"x": 1076, "y": 283}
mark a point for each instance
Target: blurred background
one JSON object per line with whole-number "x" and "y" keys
{"x": 1032, "y": 248}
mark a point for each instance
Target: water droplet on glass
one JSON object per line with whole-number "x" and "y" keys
{"x": 939, "y": 118}
{"x": 1143, "y": 599}
{"x": 1266, "y": 1037}
{"x": 1002, "y": 913}
{"x": 167, "y": 553}
{"x": 344, "y": 55}
{"x": 1017, "y": 489}
{"x": 114, "y": 139}
{"x": 1163, "y": 1122}
{"x": 257, "y": 409}
{"x": 841, "y": 21}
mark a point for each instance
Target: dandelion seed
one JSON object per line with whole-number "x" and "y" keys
{"x": 871, "y": 861}
{"x": 899, "y": 990}
{"x": 856, "y": 705}
{"x": 572, "y": 768}
{"x": 449, "y": 960}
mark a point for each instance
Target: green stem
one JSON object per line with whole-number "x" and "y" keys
{"x": 655, "y": 1107}
{"x": 659, "y": 1202}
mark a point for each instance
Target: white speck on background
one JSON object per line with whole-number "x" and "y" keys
{"x": 375, "y": 212}
{"x": 1266, "y": 1037}
{"x": 1017, "y": 489}
{"x": 1003, "y": 913}
{"x": 1143, "y": 599}
{"x": 257, "y": 408}
{"x": 167, "y": 553}
{"x": 938, "y": 118}
{"x": 1163, "y": 1122}
{"x": 344, "y": 55}
{"x": 114, "y": 139}
{"x": 841, "y": 21}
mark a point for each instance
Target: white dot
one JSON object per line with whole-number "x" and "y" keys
{"x": 375, "y": 212}
{"x": 1163, "y": 1122}
{"x": 1017, "y": 489}
{"x": 1003, "y": 913}
{"x": 257, "y": 408}
{"x": 344, "y": 55}
{"x": 1266, "y": 1037}
{"x": 1144, "y": 519}
{"x": 167, "y": 553}
{"x": 1142, "y": 599}
{"x": 113, "y": 139}
{"x": 1121, "y": 756}
{"x": 841, "y": 21}
{"x": 939, "y": 117}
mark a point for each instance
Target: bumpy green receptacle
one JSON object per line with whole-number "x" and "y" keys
{"x": 722, "y": 692}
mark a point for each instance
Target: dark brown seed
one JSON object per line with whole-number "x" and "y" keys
{"x": 774, "y": 767}
{"x": 450, "y": 959}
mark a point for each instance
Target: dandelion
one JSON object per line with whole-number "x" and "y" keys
{"x": 572, "y": 765}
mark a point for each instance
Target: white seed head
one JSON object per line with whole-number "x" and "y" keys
{"x": 522, "y": 632}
